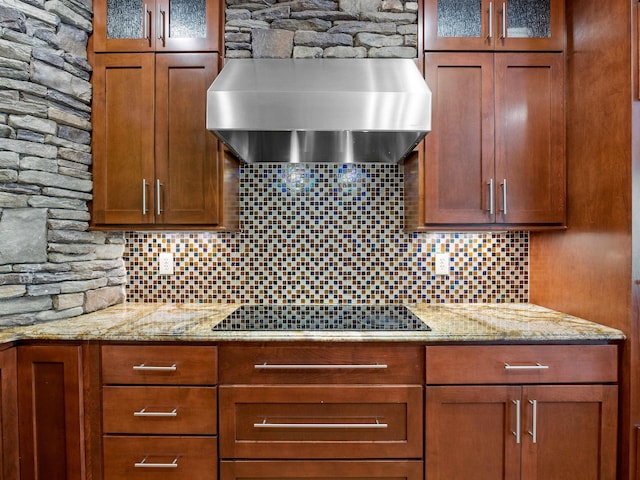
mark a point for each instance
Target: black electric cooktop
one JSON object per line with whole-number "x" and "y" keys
{"x": 322, "y": 317}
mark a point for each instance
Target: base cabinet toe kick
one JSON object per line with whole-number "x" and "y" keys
{"x": 293, "y": 410}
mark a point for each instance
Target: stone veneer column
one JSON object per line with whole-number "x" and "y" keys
{"x": 51, "y": 265}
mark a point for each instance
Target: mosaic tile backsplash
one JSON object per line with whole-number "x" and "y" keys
{"x": 326, "y": 233}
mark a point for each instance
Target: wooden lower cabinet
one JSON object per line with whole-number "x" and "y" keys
{"x": 541, "y": 432}
{"x": 160, "y": 458}
{"x": 9, "y": 455}
{"x": 51, "y": 413}
{"x": 325, "y": 470}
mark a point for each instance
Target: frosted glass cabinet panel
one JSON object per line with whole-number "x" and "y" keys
{"x": 494, "y": 25}
{"x": 156, "y": 25}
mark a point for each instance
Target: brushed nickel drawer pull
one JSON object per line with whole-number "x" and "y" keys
{"x": 537, "y": 366}
{"x": 144, "y": 464}
{"x": 264, "y": 424}
{"x": 266, "y": 366}
{"x": 144, "y": 413}
{"x": 155, "y": 368}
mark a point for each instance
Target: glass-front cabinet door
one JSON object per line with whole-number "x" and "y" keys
{"x": 494, "y": 25}
{"x": 160, "y": 25}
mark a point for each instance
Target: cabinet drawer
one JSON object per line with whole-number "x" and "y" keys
{"x": 321, "y": 422}
{"x": 153, "y": 458}
{"x": 521, "y": 364}
{"x": 329, "y": 470}
{"x": 346, "y": 363}
{"x": 170, "y": 410}
{"x": 159, "y": 365}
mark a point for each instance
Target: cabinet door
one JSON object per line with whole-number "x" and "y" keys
{"x": 9, "y": 459}
{"x": 188, "y": 25}
{"x": 458, "y": 25}
{"x": 161, "y": 25}
{"x": 494, "y": 25}
{"x": 471, "y": 432}
{"x": 460, "y": 148}
{"x": 530, "y": 138}
{"x": 50, "y": 398}
{"x": 530, "y": 25}
{"x": 569, "y": 432}
{"x": 187, "y": 173}
{"x": 123, "y": 116}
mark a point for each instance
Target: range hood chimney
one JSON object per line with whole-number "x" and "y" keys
{"x": 319, "y": 110}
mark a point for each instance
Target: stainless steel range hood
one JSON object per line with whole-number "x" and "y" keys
{"x": 320, "y": 110}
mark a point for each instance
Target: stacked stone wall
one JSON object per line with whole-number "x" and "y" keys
{"x": 321, "y": 28}
{"x": 51, "y": 265}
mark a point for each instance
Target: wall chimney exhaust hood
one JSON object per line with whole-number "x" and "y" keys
{"x": 320, "y": 110}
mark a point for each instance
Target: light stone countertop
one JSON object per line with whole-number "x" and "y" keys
{"x": 502, "y": 323}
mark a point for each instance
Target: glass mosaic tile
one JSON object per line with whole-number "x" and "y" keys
{"x": 329, "y": 240}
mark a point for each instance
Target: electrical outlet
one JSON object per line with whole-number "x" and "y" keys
{"x": 166, "y": 263}
{"x": 442, "y": 264}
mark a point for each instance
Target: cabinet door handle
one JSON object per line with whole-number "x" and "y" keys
{"x": 518, "y": 421}
{"x": 537, "y": 366}
{"x": 147, "y": 23}
{"x": 490, "y": 36}
{"x": 265, "y": 424}
{"x": 144, "y": 413}
{"x": 158, "y": 197}
{"x": 144, "y": 196}
{"x": 143, "y": 464}
{"x": 504, "y": 196}
{"x": 503, "y": 34}
{"x": 534, "y": 421}
{"x": 266, "y": 366}
{"x": 162, "y": 25}
{"x": 155, "y": 368}
{"x": 492, "y": 198}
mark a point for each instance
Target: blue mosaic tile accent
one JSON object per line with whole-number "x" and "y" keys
{"x": 326, "y": 233}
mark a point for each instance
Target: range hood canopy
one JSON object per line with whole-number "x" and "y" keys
{"x": 320, "y": 110}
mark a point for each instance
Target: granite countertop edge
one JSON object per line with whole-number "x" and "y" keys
{"x": 193, "y": 322}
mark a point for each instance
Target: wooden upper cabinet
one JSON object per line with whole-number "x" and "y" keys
{"x": 459, "y": 156}
{"x": 155, "y": 163}
{"x": 494, "y": 25}
{"x": 496, "y": 152}
{"x": 160, "y": 25}
{"x": 530, "y": 138}
{"x": 187, "y": 173}
{"x": 123, "y": 146}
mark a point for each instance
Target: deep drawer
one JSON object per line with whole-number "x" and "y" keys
{"x": 321, "y": 422}
{"x": 521, "y": 364}
{"x": 166, "y": 410}
{"x": 159, "y": 365}
{"x": 329, "y": 470}
{"x": 160, "y": 458}
{"x": 325, "y": 363}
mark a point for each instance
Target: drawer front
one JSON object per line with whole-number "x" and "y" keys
{"x": 321, "y": 422}
{"x": 521, "y": 364}
{"x": 153, "y": 458}
{"x": 159, "y": 365}
{"x": 329, "y": 470}
{"x": 322, "y": 364}
{"x": 165, "y": 410}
